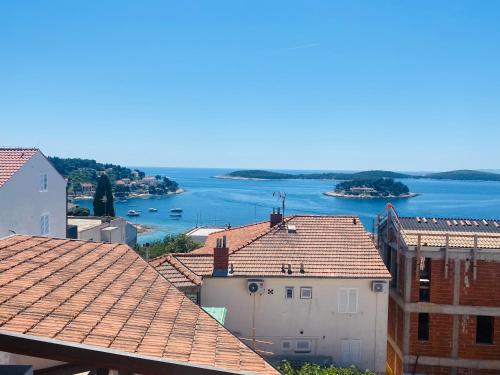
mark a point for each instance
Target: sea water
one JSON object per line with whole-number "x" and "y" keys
{"x": 221, "y": 202}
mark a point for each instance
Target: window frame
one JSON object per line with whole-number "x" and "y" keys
{"x": 45, "y": 224}
{"x": 303, "y": 288}
{"x": 43, "y": 183}
{"x": 491, "y": 334}
{"x": 423, "y": 336}
{"x": 303, "y": 351}
{"x": 290, "y": 348}
{"x": 289, "y": 288}
{"x": 347, "y": 292}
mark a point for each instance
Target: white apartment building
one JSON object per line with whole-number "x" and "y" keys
{"x": 308, "y": 287}
{"x": 32, "y": 194}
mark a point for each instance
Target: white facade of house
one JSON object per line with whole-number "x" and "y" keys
{"x": 33, "y": 200}
{"x": 116, "y": 230}
{"x": 344, "y": 319}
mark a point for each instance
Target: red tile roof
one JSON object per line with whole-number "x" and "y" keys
{"x": 326, "y": 246}
{"x": 106, "y": 296}
{"x": 236, "y": 237}
{"x": 11, "y": 160}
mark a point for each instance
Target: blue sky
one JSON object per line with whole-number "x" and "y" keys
{"x": 271, "y": 84}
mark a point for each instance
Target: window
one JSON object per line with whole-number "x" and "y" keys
{"x": 484, "y": 330}
{"x": 425, "y": 280}
{"x": 286, "y": 345}
{"x": 44, "y": 224}
{"x": 44, "y": 182}
{"x": 350, "y": 351}
{"x": 303, "y": 346}
{"x": 289, "y": 292}
{"x": 423, "y": 327}
{"x": 306, "y": 292}
{"x": 348, "y": 300}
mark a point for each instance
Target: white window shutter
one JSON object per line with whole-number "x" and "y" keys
{"x": 45, "y": 182}
{"x": 342, "y": 300}
{"x": 353, "y": 301}
{"x": 345, "y": 349}
{"x": 40, "y": 183}
{"x": 355, "y": 351}
{"x": 42, "y": 225}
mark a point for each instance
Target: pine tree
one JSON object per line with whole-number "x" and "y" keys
{"x": 103, "y": 198}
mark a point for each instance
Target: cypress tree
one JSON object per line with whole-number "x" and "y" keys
{"x": 103, "y": 198}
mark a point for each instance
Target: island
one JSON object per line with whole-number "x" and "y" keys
{"x": 83, "y": 174}
{"x": 459, "y": 175}
{"x": 268, "y": 175}
{"x": 372, "y": 188}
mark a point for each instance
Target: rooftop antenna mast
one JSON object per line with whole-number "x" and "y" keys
{"x": 281, "y": 195}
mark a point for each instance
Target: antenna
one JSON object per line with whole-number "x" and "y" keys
{"x": 281, "y": 195}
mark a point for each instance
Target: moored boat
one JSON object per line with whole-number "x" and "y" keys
{"x": 133, "y": 213}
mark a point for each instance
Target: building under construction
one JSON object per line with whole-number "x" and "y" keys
{"x": 444, "y": 303}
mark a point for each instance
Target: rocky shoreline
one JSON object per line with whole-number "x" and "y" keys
{"x": 131, "y": 196}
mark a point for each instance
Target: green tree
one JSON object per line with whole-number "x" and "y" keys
{"x": 179, "y": 243}
{"x": 103, "y": 198}
{"x": 79, "y": 211}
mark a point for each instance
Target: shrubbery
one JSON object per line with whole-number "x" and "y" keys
{"x": 313, "y": 369}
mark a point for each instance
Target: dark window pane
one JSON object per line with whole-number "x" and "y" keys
{"x": 423, "y": 327}
{"x": 484, "y": 330}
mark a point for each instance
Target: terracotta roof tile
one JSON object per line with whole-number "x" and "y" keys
{"x": 105, "y": 295}
{"x": 326, "y": 246}
{"x": 12, "y": 159}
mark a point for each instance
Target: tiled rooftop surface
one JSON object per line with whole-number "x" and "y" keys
{"x": 450, "y": 225}
{"x": 326, "y": 246}
{"x": 461, "y": 232}
{"x": 236, "y": 237}
{"x": 105, "y": 295}
{"x": 11, "y": 160}
{"x": 175, "y": 272}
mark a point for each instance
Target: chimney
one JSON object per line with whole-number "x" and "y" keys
{"x": 221, "y": 257}
{"x": 276, "y": 217}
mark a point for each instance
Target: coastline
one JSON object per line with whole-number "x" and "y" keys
{"x": 132, "y": 196}
{"x": 365, "y": 196}
{"x": 143, "y": 228}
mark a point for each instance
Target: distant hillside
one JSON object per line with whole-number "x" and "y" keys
{"x": 450, "y": 175}
{"x": 371, "y": 188}
{"x": 464, "y": 174}
{"x": 268, "y": 175}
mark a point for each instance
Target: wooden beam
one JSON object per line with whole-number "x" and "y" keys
{"x": 446, "y": 257}
{"x": 96, "y": 357}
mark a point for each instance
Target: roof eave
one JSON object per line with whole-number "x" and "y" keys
{"x": 100, "y": 357}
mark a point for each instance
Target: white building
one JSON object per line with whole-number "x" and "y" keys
{"x": 309, "y": 287}
{"x": 103, "y": 229}
{"x": 32, "y": 194}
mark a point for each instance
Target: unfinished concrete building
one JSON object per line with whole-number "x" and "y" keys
{"x": 444, "y": 304}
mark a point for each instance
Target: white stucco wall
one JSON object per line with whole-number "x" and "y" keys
{"x": 22, "y": 203}
{"x": 317, "y": 319}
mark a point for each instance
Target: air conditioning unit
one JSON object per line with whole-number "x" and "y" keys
{"x": 378, "y": 286}
{"x": 255, "y": 286}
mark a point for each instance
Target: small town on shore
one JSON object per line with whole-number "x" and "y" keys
{"x": 293, "y": 294}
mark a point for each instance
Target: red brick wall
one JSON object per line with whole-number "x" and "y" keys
{"x": 401, "y": 278}
{"x": 467, "y": 340}
{"x": 391, "y": 319}
{"x": 400, "y": 326}
{"x": 480, "y": 292}
{"x": 414, "y": 282}
{"x": 440, "y": 332}
{"x": 469, "y": 371}
{"x": 441, "y": 287}
{"x": 432, "y": 370}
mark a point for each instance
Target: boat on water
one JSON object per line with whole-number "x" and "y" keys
{"x": 152, "y": 209}
{"x": 176, "y": 210}
{"x": 133, "y": 213}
